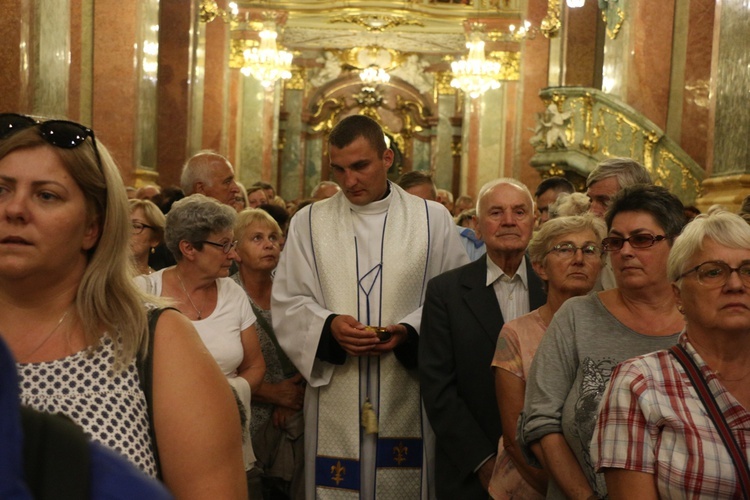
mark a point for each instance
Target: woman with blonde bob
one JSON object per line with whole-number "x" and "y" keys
{"x": 276, "y": 426}
{"x": 566, "y": 253}
{"x": 70, "y": 308}
{"x": 654, "y": 437}
{"x": 147, "y": 223}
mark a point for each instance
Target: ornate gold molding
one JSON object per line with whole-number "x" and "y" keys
{"x": 297, "y": 81}
{"x": 443, "y": 83}
{"x": 511, "y": 64}
{"x": 376, "y": 22}
{"x": 551, "y": 24}
{"x": 600, "y": 127}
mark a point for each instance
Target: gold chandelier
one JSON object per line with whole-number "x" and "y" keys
{"x": 266, "y": 63}
{"x": 475, "y": 75}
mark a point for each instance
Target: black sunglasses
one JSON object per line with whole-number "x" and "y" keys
{"x": 59, "y": 133}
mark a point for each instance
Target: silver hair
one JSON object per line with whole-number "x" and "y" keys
{"x": 489, "y": 186}
{"x": 542, "y": 241}
{"x": 193, "y": 219}
{"x": 568, "y": 204}
{"x": 322, "y": 184}
{"x": 198, "y": 169}
{"x": 724, "y": 228}
{"x": 628, "y": 172}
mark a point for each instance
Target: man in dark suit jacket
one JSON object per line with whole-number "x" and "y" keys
{"x": 463, "y": 313}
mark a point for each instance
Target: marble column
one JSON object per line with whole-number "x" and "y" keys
{"x": 174, "y": 88}
{"x": 729, "y": 126}
{"x": 15, "y": 31}
{"x": 291, "y": 179}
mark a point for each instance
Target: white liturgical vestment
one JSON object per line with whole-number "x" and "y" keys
{"x": 371, "y": 262}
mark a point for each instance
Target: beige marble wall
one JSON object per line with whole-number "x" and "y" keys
{"x": 51, "y": 58}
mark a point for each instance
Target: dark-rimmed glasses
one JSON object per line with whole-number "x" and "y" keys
{"x": 715, "y": 273}
{"x": 615, "y": 243}
{"x": 225, "y": 247}
{"x": 59, "y": 133}
{"x": 138, "y": 227}
{"x": 568, "y": 250}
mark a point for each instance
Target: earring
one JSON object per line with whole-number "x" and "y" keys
{"x": 153, "y": 250}
{"x": 681, "y": 309}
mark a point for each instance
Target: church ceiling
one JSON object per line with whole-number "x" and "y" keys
{"x": 425, "y": 26}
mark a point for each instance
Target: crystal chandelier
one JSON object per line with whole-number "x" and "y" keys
{"x": 475, "y": 75}
{"x": 374, "y": 74}
{"x": 266, "y": 63}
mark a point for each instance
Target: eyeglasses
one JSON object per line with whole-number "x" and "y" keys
{"x": 225, "y": 247}
{"x": 59, "y": 133}
{"x": 139, "y": 226}
{"x": 568, "y": 250}
{"x": 615, "y": 243}
{"x": 715, "y": 273}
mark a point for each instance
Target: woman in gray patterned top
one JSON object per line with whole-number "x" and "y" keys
{"x": 276, "y": 426}
{"x": 590, "y": 335}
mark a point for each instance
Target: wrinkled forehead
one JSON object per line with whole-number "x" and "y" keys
{"x": 506, "y": 195}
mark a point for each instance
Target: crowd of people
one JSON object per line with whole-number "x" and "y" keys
{"x": 377, "y": 339}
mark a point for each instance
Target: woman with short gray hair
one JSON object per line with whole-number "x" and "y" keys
{"x": 566, "y": 254}
{"x": 200, "y": 236}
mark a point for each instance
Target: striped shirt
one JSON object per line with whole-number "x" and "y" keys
{"x": 651, "y": 420}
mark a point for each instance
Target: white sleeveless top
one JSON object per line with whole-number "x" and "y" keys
{"x": 110, "y": 408}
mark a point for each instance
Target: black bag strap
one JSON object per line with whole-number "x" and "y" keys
{"x": 57, "y": 459}
{"x": 286, "y": 364}
{"x": 720, "y": 422}
{"x": 146, "y": 378}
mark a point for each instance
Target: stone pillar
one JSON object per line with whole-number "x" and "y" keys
{"x": 291, "y": 179}
{"x": 176, "y": 25}
{"x": 15, "y": 57}
{"x": 729, "y": 125}
{"x": 115, "y": 81}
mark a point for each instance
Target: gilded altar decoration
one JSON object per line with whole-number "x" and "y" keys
{"x": 550, "y": 127}
{"x": 551, "y": 24}
{"x": 582, "y": 126}
{"x": 613, "y": 16}
{"x": 376, "y": 22}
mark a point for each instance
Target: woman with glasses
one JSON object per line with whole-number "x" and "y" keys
{"x": 148, "y": 224}
{"x": 79, "y": 329}
{"x": 200, "y": 235}
{"x": 654, "y": 438}
{"x": 566, "y": 253}
{"x": 590, "y": 335}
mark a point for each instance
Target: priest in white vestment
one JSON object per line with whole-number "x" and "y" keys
{"x": 362, "y": 258}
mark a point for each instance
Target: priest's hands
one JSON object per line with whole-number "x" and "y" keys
{"x": 356, "y": 340}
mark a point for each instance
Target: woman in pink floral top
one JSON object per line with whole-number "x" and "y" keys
{"x": 566, "y": 254}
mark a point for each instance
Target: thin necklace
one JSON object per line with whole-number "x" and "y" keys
{"x": 199, "y": 311}
{"x": 49, "y": 335}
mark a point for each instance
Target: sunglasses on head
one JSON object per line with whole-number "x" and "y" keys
{"x": 59, "y": 133}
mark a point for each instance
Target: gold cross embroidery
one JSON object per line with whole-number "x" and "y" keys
{"x": 338, "y": 472}
{"x": 400, "y": 453}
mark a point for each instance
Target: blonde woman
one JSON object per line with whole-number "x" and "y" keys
{"x": 71, "y": 311}
{"x": 147, "y": 223}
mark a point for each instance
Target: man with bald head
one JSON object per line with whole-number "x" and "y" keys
{"x": 210, "y": 174}
{"x": 464, "y": 311}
